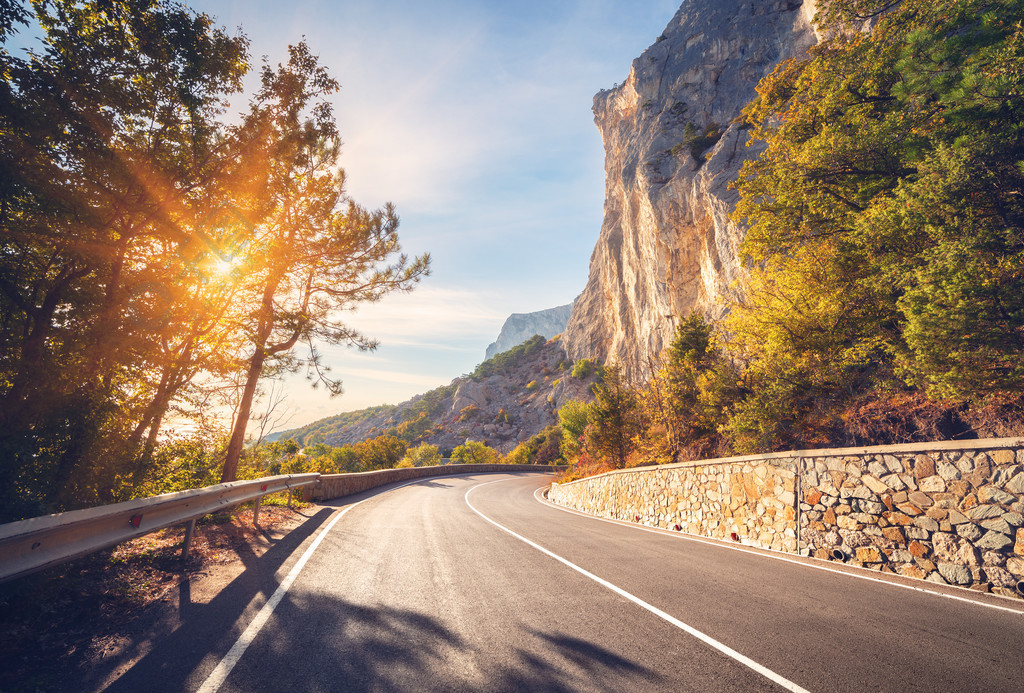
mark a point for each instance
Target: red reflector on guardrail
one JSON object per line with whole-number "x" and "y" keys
{"x": 135, "y": 521}
{"x": 263, "y": 487}
{"x": 735, "y": 537}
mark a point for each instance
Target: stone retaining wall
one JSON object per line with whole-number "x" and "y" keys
{"x": 950, "y": 512}
{"x": 754, "y": 499}
{"x": 338, "y": 485}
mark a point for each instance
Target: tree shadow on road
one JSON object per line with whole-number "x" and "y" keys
{"x": 325, "y": 643}
{"x": 171, "y": 649}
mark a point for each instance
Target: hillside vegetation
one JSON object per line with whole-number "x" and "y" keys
{"x": 505, "y": 400}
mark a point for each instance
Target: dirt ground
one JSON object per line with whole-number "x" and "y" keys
{"x": 79, "y": 626}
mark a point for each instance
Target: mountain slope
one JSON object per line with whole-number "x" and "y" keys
{"x": 507, "y": 399}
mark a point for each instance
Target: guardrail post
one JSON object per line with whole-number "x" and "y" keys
{"x": 256, "y": 512}
{"x": 190, "y": 527}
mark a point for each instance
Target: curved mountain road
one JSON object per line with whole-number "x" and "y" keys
{"x": 474, "y": 583}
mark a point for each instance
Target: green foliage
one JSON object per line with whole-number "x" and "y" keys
{"x": 520, "y": 454}
{"x": 686, "y": 403}
{"x": 531, "y": 386}
{"x": 584, "y": 368}
{"x": 507, "y": 360}
{"x": 886, "y": 213}
{"x": 613, "y": 419}
{"x": 382, "y": 452}
{"x": 423, "y": 455}
{"x": 469, "y": 412}
{"x": 573, "y": 418}
{"x": 700, "y": 141}
{"x": 413, "y": 429}
{"x": 475, "y": 452}
{"x": 109, "y": 151}
{"x": 180, "y": 465}
{"x": 542, "y": 448}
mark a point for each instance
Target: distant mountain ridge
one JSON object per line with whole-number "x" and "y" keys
{"x": 519, "y": 327}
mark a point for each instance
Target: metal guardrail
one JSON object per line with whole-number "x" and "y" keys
{"x": 40, "y": 542}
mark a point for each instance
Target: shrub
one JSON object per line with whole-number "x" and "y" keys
{"x": 423, "y": 455}
{"x": 475, "y": 452}
{"x": 583, "y": 369}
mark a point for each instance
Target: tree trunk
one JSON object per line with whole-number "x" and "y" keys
{"x": 242, "y": 418}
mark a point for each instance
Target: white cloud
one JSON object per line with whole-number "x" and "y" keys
{"x": 434, "y": 314}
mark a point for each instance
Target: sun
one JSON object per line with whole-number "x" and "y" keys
{"x": 222, "y": 268}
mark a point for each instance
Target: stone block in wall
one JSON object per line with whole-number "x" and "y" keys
{"x": 954, "y": 573}
{"x": 924, "y": 467}
{"x": 984, "y": 512}
{"x": 993, "y": 494}
{"x": 996, "y": 541}
{"x": 1015, "y": 565}
{"x": 1016, "y": 484}
{"x": 999, "y": 577}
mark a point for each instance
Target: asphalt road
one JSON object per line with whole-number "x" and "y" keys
{"x": 474, "y": 584}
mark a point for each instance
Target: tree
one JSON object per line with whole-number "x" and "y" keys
{"x": 475, "y": 452}
{"x": 886, "y": 212}
{"x": 382, "y": 452}
{"x": 318, "y": 253}
{"x": 573, "y": 418}
{"x": 613, "y": 420}
{"x": 542, "y": 448}
{"x": 423, "y": 455}
{"x": 111, "y": 154}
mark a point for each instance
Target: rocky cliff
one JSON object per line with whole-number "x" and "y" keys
{"x": 519, "y": 327}
{"x": 667, "y": 246}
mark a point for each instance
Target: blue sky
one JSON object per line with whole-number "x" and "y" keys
{"x": 473, "y": 117}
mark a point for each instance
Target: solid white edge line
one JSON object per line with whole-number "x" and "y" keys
{"x": 703, "y": 637}
{"x": 220, "y": 673}
{"x": 779, "y": 557}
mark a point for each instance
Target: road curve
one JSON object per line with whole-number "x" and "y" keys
{"x": 474, "y": 584}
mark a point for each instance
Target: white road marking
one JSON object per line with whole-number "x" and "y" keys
{"x": 220, "y": 673}
{"x": 779, "y": 557}
{"x": 721, "y": 647}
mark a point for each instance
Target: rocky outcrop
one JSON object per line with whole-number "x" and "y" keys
{"x": 507, "y": 402}
{"x": 521, "y": 326}
{"x": 672, "y": 147}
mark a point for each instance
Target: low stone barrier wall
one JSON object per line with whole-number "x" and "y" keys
{"x": 949, "y": 512}
{"x": 339, "y": 485}
{"x": 752, "y": 498}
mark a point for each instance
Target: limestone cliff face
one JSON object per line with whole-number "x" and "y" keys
{"x": 667, "y": 246}
{"x": 519, "y": 327}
